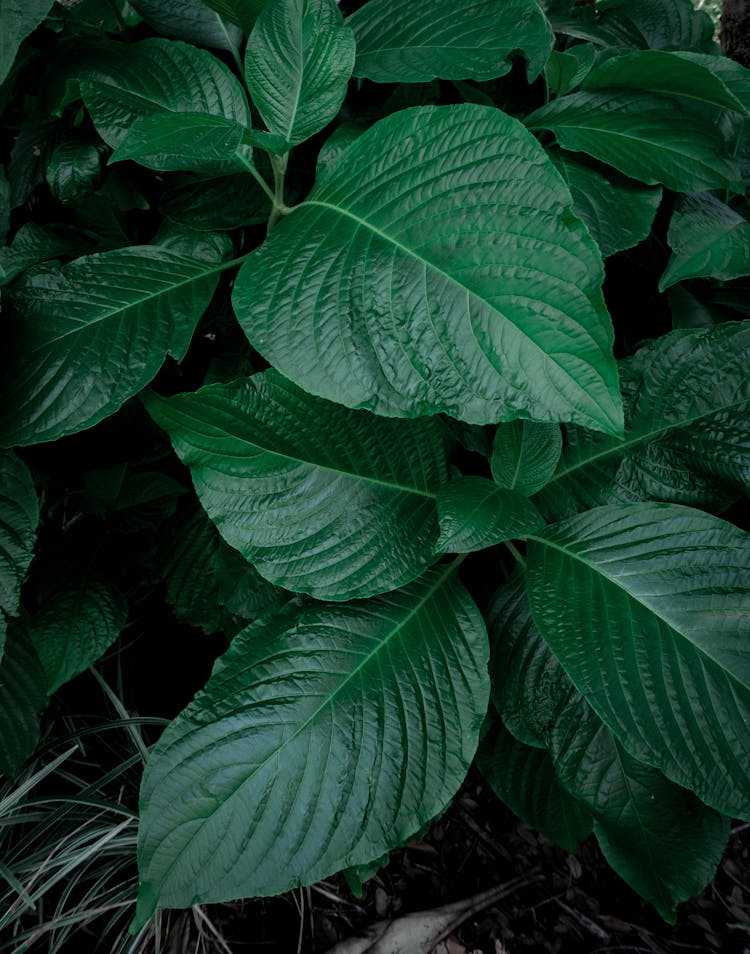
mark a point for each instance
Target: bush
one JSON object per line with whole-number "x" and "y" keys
{"x": 407, "y": 348}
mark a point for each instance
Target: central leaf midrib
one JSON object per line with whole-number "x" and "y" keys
{"x": 629, "y": 443}
{"x": 450, "y": 278}
{"x": 597, "y": 569}
{"x": 329, "y": 700}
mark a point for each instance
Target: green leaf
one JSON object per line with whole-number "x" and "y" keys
{"x": 687, "y": 398}
{"x": 35, "y": 243}
{"x": 643, "y": 136}
{"x": 242, "y": 591}
{"x": 74, "y": 170}
{"x": 188, "y": 551}
{"x": 190, "y": 20}
{"x": 669, "y": 24}
{"x": 227, "y": 202}
{"x": 154, "y": 78}
{"x": 657, "y": 836}
{"x": 618, "y": 211}
{"x": 653, "y": 631}
{"x": 298, "y": 61}
{"x": 525, "y": 455}
{"x": 170, "y": 142}
{"x": 708, "y": 238}
{"x": 565, "y": 71}
{"x": 19, "y": 515}
{"x": 76, "y": 626}
{"x": 242, "y": 12}
{"x": 668, "y": 74}
{"x": 23, "y": 695}
{"x": 325, "y": 736}
{"x": 475, "y": 513}
{"x": 524, "y": 778}
{"x": 423, "y": 275}
{"x": 410, "y": 41}
{"x": 320, "y": 499}
{"x": 19, "y": 18}
{"x": 86, "y": 337}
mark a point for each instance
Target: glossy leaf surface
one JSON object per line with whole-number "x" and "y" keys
{"x": 411, "y": 41}
{"x": 155, "y": 77}
{"x": 475, "y": 513}
{"x": 19, "y": 514}
{"x": 298, "y": 61}
{"x": 438, "y": 269}
{"x": 86, "y": 337}
{"x": 667, "y": 25}
{"x": 190, "y": 20}
{"x": 707, "y": 238}
{"x": 320, "y": 499}
{"x": 75, "y": 627}
{"x": 525, "y": 455}
{"x": 652, "y": 631}
{"x": 687, "y": 397}
{"x": 618, "y": 211}
{"x": 325, "y": 736}
{"x": 74, "y": 170}
{"x": 644, "y": 136}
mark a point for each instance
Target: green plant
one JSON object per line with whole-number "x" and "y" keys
{"x": 428, "y": 370}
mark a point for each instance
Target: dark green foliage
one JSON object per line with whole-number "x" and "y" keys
{"x": 302, "y": 304}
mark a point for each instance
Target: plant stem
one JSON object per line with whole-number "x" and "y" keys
{"x": 278, "y": 163}
{"x": 518, "y": 558}
{"x": 258, "y": 177}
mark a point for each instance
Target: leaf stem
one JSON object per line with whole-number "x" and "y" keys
{"x": 278, "y": 164}
{"x": 258, "y": 177}
{"x": 517, "y": 556}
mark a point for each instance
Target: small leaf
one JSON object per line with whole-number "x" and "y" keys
{"x": 411, "y": 41}
{"x": 475, "y": 513}
{"x": 566, "y": 71}
{"x": 242, "y": 12}
{"x": 34, "y": 243}
{"x": 643, "y": 136}
{"x": 227, "y": 202}
{"x": 19, "y": 515}
{"x": 76, "y": 626}
{"x": 524, "y": 778}
{"x": 652, "y": 631}
{"x": 319, "y": 498}
{"x": 196, "y": 141}
{"x": 707, "y": 238}
{"x": 525, "y": 455}
{"x": 19, "y": 18}
{"x": 275, "y": 799}
{"x": 421, "y": 276}
{"x": 23, "y": 695}
{"x": 86, "y": 337}
{"x": 618, "y": 211}
{"x": 74, "y": 170}
{"x": 190, "y": 20}
{"x": 298, "y": 61}
{"x": 157, "y": 77}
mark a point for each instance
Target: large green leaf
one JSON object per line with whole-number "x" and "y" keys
{"x": 23, "y": 695}
{"x": 298, "y": 61}
{"x": 319, "y": 498}
{"x": 325, "y": 736}
{"x": 475, "y": 513}
{"x": 242, "y": 12}
{"x": 190, "y": 20}
{"x": 155, "y": 77}
{"x": 654, "y": 139}
{"x": 410, "y": 41}
{"x": 85, "y": 337}
{"x": 75, "y": 626}
{"x": 618, "y": 211}
{"x": 653, "y": 630}
{"x": 687, "y": 404}
{"x": 19, "y": 514}
{"x": 656, "y": 835}
{"x": 666, "y": 25}
{"x": 708, "y": 238}
{"x": 525, "y": 455}
{"x": 438, "y": 266}
{"x": 524, "y": 778}
{"x": 18, "y": 19}
{"x": 669, "y": 74}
